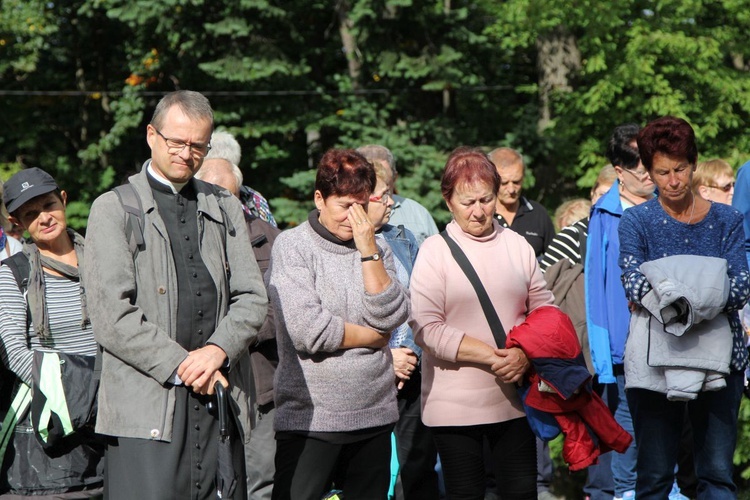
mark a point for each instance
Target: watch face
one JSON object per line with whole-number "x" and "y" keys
{"x": 376, "y": 256}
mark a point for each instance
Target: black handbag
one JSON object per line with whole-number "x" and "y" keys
{"x": 63, "y": 401}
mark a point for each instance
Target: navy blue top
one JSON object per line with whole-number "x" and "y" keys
{"x": 648, "y": 233}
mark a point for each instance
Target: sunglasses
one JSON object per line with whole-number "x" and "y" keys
{"x": 725, "y": 188}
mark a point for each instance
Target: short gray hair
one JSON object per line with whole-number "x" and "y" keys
{"x": 376, "y": 152}
{"x": 194, "y": 104}
{"x": 224, "y": 145}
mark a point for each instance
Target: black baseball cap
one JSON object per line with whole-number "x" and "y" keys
{"x": 25, "y": 185}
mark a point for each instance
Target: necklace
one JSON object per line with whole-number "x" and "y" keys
{"x": 674, "y": 214}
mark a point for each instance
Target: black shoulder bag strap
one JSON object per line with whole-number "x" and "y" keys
{"x": 484, "y": 299}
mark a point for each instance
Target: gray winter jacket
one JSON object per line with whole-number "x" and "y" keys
{"x": 133, "y": 307}
{"x": 680, "y": 342}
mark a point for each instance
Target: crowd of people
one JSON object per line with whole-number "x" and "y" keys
{"x": 188, "y": 348}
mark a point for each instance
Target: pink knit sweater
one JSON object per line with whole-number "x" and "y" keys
{"x": 445, "y": 307}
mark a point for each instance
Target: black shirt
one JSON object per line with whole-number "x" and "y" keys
{"x": 533, "y": 223}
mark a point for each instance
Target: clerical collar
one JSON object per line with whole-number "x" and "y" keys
{"x": 175, "y": 187}
{"x": 324, "y": 233}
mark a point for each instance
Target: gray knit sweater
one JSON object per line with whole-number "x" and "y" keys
{"x": 316, "y": 286}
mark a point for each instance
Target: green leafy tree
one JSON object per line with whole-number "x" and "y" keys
{"x": 631, "y": 61}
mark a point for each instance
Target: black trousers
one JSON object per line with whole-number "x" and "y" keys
{"x": 513, "y": 450}
{"x": 307, "y": 468}
{"x": 182, "y": 469}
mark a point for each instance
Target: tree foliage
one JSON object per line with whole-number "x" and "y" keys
{"x": 291, "y": 79}
{"x": 640, "y": 60}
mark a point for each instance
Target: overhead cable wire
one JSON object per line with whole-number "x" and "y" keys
{"x": 245, "y": 93}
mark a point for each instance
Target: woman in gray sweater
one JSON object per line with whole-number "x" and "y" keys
{"x": 337, "y": 299}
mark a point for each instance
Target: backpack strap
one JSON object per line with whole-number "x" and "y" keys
{"x": 131, "y": 203}
{"x": 21, "y": 267}
{"x": 19, "y": 264}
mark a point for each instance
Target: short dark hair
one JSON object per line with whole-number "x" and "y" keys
{"x": 620, "y": 151}
{"x": 467, "y": 165}
{"x": 194, "y": 104}
{"x": 344, "y": 172}
{"x": 670, "y": 136}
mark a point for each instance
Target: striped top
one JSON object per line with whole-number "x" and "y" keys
{"x": 565, "y": 245}
{"x": 64, "y": 311}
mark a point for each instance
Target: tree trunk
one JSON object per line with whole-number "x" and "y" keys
{"x": 350, "y": 44}
{"x": 558, "y": 56}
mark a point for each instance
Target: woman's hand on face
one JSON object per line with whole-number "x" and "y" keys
{"x": 511, "y": 366}
{"x": 363, "y": 230}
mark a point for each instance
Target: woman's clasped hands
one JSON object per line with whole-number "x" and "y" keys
{"x": 510, "y": 364}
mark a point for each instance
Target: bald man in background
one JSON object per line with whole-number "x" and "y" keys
{"x": 528, "y": 218}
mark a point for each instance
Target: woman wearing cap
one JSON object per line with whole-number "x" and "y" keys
{"x": 58, "y": 321}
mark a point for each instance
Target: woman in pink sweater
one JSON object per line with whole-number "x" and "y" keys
{"x": 468, "y": 391}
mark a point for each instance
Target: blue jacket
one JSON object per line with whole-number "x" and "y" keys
{"x": 404, "y": 245}
{"x": 741, "y": 201}
{"x": 607, "y": 314}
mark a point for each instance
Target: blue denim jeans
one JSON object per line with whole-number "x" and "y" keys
{"x": 624, "y": 464}
{"x": 599, "y": 483}
{"x": 658, "y": 426}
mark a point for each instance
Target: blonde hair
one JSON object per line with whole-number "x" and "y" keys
{"x": 607, "y": 176}
{"x": 571, "y": 211}
{"x": 707, "y": 172}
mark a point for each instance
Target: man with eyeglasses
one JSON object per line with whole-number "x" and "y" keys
{"x": 607, "y": 310}
{"x": 173, "y": 317}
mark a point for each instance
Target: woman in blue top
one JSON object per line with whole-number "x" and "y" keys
{"x": 679, "y": 223}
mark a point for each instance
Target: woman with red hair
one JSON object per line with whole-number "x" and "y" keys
{"x": 468, "y": 384}
{"x": 337, "y": 299}
{"x": 681, "y": 227}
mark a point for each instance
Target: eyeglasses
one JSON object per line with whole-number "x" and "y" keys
{"x": 726, "y": 188}
{"x": 383, "y": 198}
{"x": 640, "y": 174}
{"x": 175, "y": 146}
